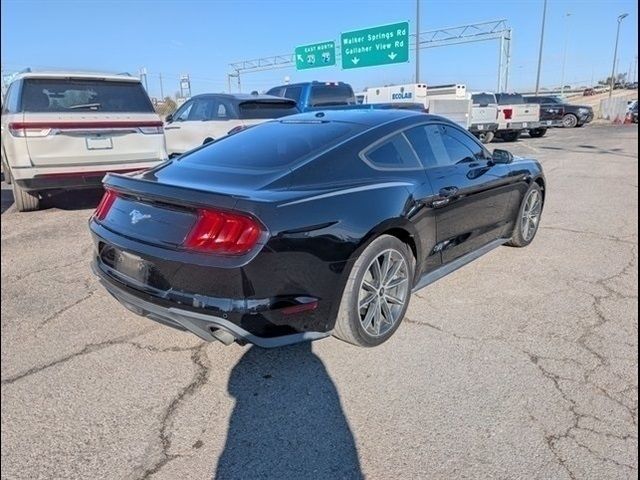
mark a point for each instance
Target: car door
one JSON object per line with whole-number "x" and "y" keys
{"x": 472, "y": 195}
{"x": 198, "y": 120}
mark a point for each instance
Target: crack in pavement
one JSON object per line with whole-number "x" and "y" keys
{"x": 90, "y": 348}
{"x": 56, "y": 314}
{"x": 588, "y": 330}
{"x": 595, "y": 234}
{"x": 201, "y": 361}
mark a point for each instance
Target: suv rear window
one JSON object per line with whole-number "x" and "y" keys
{"x": 509, "y": 99}
{"x": 483, "y": 99}
{"x": 82, "y": 95}
{"x": 272, "y": 145}
{"x": 332, "y": 94}
{"x": 257, "y": 109}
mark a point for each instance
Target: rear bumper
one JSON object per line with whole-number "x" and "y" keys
{"x": 36, "y": 179}
{"x": 520, "y": 125}
{"x": 483, "y": 127}
{"x": 551, "y": 123}
{"x": 205, "y": 326}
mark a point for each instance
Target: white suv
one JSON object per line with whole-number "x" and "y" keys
{"x": 65, "y": 130}
{"x": 211, "y": 116}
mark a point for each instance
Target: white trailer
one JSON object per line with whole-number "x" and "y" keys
{"x": 450, "y": 101}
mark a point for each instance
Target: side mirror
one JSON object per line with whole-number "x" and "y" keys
{"x": 169, "y": 118}
{"x": 501, "y": 156}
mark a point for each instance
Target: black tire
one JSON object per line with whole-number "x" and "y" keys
{"x": 485, "y": 137}
{"x": 569, "y": 120}
{"x": 349, "y": 326}
{"x": 25, "y": 201}
{"x": 580, "y": 125}
{"x": 518, "y": 238}
{"x": 7, "y": 174}
{"x": 207, "y": 140}
{"x": 537, "y": 132}
{"x": 510, "y": 136}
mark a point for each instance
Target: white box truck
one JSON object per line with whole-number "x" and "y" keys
{"x": 450, "y": 101}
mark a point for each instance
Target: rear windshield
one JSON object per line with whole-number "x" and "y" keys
{"x": 66, "y": 95}
{"x": 272, "y": 145}
{"x": 483, "y": 99}
{"x": 327, "y": 95}
{"x": 257, "y": 110}
{"x": 509, "y": 99}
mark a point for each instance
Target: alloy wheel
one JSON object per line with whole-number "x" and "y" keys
{"x": 531, "y": 215}
{"x": 383, "y": 292}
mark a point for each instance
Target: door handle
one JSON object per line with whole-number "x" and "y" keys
{"x": 176, "y": 127}
{"x": 448, "y": 191}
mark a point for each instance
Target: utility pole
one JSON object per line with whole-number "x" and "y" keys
{"x": 417, "y": 41}
{"x": 615, "y": 55}
{"x": 564, "y": 55}
{"x": 544, "y": 18}
{"x": 161, "y": 90}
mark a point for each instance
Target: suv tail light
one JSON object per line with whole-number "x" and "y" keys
{"x": 20, "y": 129}
{"x": 508, "y": 113}
{"x": 105, "y": 204}
{"x": 223, "y": 232}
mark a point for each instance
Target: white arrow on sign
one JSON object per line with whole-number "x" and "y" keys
{"x": 355, "y": 60}
{"x": 393, "y": 55}
{"x": 300, "y": 59}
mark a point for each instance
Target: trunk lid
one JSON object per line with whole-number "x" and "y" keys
{"x": 79, "y": 139}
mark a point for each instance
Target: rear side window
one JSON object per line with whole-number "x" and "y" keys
{"x": 294, "y": 93}
{"x": 332, "y": 94}
{"x": 272, "y": 145}
{"x": 82, "y": 95}
{"x": 483, "y": 99}
{"x": 394, "y": 153}
{"x": 276, "y": 91}
{"x": 509, "y": 99}
{"x": 258, "y": 110}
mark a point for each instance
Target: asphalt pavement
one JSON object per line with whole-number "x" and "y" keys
{"x": 522, "y": 365}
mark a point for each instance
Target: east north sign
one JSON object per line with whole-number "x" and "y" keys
{"x": 370, "y": 47}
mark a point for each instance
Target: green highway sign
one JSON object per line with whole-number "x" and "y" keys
{"x": 374, "y": 46}
{"x": 315, "y": 55}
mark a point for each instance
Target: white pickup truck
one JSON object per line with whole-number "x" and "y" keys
{"x": 484, "y": 116}
{"x": 515, "y": 116}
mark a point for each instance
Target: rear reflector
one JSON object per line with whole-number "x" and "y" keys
{"x": 223, "y": 233}
{"x": 105, "y": 204}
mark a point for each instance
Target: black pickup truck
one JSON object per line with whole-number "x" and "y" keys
{"x": 560, "y": 113}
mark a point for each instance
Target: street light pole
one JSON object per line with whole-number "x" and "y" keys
{"x": 417, "y": 41}
{"x": 544, "y": 17}
{"x": 615, "y": 54}
{"x": 564, "y": 55}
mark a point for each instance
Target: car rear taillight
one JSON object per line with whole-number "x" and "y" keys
{"x": 223, "y": 232}
{"x": 20, "y": 129}
{"x": 508, "y": 113}
{"x": 105, "y": 204}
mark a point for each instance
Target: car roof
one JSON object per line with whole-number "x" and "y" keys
{"x": 365, "y": 115}
{"x": 78, "y": 74}
{"x": 241, "y": 97}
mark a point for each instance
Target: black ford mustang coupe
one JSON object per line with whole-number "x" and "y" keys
{"x": 315, "y": 224}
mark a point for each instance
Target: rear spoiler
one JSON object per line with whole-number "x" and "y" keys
{"x": 151, "y": 189}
